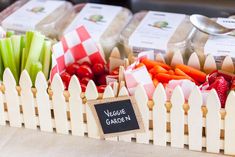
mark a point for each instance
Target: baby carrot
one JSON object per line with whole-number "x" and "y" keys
{"x": 150, "y": 64}
{"x": 171, "y": 72}
{"x": 157, "y": 69}
{"x": 165, "y": 78}
{"x": 197, "y": 75}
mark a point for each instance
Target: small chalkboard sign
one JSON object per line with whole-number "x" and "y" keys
{"x": 117, "y": 116}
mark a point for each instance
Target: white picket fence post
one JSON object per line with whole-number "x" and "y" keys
{"x": 227, "y": 64}
{"x": 142, "y": 101}
{"x": 76, "y": 107}
{"x": 59, "y": 105}
{"x": 229, "y": 139}
{"x": 2, "y": 112}
{"x": 126, "y": 138}
{"x": 210, "y": 64}
{"x": 43, "y": 103}
{"x": 194, "y": 61}
{"x": 213, "y": 120}
{"x": 91, "y": 94}
{"x": 159, "y": 116}
{"x": 108, "y": 93}
{"x": 27, "y": 101}
{"x": 177, "y": 118}
{"x": 12, "y": 98}
{"x": 195, "y": 120}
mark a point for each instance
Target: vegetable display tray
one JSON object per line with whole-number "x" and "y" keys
{"x": 176, "y": 122}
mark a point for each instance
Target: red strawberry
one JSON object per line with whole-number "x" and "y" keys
{"x": 233, "y": 84}
{"x": 72, "y": 68}
{"x": 212, "y": 77}
{"x": 101, "y": 88}
{"x": 66, "y": 77}
{"x": 227, "y": 76}
{"x": 98, "y": 69}
{"x": 221, "y": 86}
{"x": 84, "y": 71}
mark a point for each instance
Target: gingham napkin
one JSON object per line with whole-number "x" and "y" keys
{"x": 75, "y": 46}
{"x": 134, "y": 77}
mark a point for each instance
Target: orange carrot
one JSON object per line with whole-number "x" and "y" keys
{"x": 150, "y": 64}
{"x": 165, "y": 78}
{"x": 171, "y": 72}
{"x": 155, "y": 82}
{"x": 157, "y": 69}
{"x": 197, "y": 75}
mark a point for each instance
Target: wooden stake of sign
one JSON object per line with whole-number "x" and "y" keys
{"x": 116, "y": 116}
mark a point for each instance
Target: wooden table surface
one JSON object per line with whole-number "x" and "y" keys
{"x": 18, "y": 142}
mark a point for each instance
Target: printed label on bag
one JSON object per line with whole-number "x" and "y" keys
{"x": 155, "y": 30}
{"x": 96, "y": 18}
{"x": 221, "y": 45}
{"x": 30, "y": 14}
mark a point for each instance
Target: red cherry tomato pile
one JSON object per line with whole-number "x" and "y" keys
{"x": 86, "y": 72}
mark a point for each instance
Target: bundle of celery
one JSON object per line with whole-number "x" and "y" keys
{"x": 30, "y": 51}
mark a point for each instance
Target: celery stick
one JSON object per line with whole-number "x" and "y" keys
{"x": 34, "y": 69}
{"x": 9, "y": 33}
{"x": 17, "y": 49}
{"x": 35, "y": 50}
{"x": 8, "y": 56}
{"x": 28, "y": 39}
{"x": 46, "y": 58}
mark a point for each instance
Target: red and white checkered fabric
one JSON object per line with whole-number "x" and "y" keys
{"x": 75, "y": 46}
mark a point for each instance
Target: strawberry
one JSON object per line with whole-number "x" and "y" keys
{"x": 232, "y": 84}
{"x": 212, "y": 77}
{"x": 221, "y": 86}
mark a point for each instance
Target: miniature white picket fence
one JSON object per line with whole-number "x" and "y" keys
{"x": 176, "y": 122}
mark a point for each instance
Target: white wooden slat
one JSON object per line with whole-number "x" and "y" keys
{"x": 229, "y": 139}
{"x": 126, "y": 138}
{"x": 160, "y": 58}
{"x": 177, "y": 118}
{"x": 159, "y": 116}
{"x": 209, "y": 64}
{"x": 43, "y": 103}
{"x": 194, "y": 61}
{"x": 2, "y": 116}
{"x": 177, "y": 59}
{"x": 12, "y": 98}
{"x": 27, "y": 101}
{"x": 59, "y": 105}
{"x": 76, "y": 107}
{"x": 227, "y": 64}
{"x": 213, "y": 118}
{"x": 142, "y": 100}
{"x": 91, "y": 94}
{"x": 195, "y": 120}
{"x": 115, "y": 88}
{"x": 108, "y": 93}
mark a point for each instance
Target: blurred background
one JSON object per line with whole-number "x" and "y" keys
{"x": 211, "y": 8}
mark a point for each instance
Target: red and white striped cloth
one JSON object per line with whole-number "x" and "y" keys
{"x": 75, "y": 46}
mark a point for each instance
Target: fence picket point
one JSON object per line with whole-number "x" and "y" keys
{"x": 142, "y": 100}
{"x": 27, "y": 101}
{"x": 177, "y": 59}
{"x": 59, "y": 105}
{"x": 227, "y": 64}
{"x": 195, "y": 120}
{"x": 76, "y": 107}
{"x": 209, "y": 64}
{"x": 177, "y": 118}
{"x": 43, "y": 103}
{"x": 194, "y": 61}
{"x": 159, "y": 116}
{"x": 12, "y": 99}
{"x": 91, "y": 94}
{"x": 213, "y": 119}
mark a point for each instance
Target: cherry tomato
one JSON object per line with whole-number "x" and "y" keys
{"x": 98, "y": 69}
{"x": 83, "y": 87}
{"x": 84, "y": 71}
{"x": 66, "y": 77}
{"x": 72, "y": 68}
{"x": 101, "y": 80}
{"x": 85, "y": 80}
{"x": 101, "y": 88}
